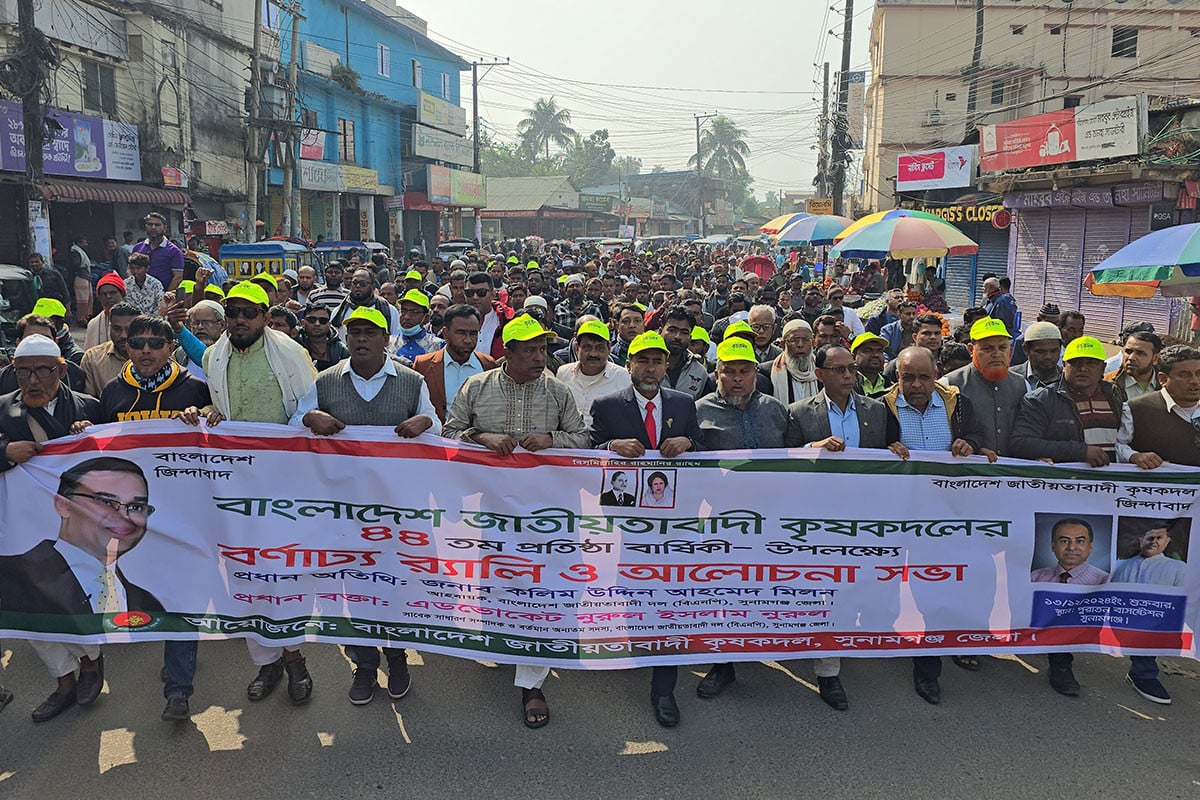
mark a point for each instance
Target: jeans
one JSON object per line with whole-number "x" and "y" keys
{"x": 662, "y": 680}
{"x": 1143, "y": 668}
{"x": 368, "y": 657}
{"x": 179, "y": 660}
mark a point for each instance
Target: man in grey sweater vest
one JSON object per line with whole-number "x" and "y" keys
{"x": 369, "y": 388}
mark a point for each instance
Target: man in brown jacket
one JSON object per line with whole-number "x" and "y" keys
{"x": 446, "y": 370}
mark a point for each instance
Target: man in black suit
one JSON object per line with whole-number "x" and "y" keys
{"x": 619, "y": 494}
{"x": 648, "y": 417}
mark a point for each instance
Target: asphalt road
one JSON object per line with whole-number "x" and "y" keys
{"x": 999, "y": 733}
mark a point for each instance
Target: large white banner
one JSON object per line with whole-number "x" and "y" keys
{"x": 578, "y": 559}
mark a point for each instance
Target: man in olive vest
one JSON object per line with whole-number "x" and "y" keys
{"x": 369, "y": 388}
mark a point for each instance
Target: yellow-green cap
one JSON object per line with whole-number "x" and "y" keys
{"x": 533, "y": 265}
{"x": 1085, "y": 347}
{"x": 863, "y": 338}
{"x": 416, "y": 296}
{"x": 987, "y": 327}
{"x": 187, "y": 286}
{"x": 533, "y": 268}
{"x": 700, "y": 334}
{"x": 596, "y": 328}
{"x": 523, "y": 329}
{"x": 368, "y": 314}
{"x": 217, "y": 290}
{"x": 648, "y": 341}
{"x": 640, "y": 306}
{"x": 49, "y": 307}
{"x": 649, "y": 253}
{"x": 512, "y": 260}
{"x": 736, "y": 349}
{"x": 412, "y": 275}
{"x": 736, "y": 328}
{"x": 248, "y": 290}
{"x": 562, "y": 279}
{"x": 268, "y": 277}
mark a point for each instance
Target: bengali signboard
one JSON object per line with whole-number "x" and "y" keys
{"x": 596, "y": 202}
{"x": 856, "y": 109}
{"x": 580, "y": 558}
{"x": 437, "y": 113}
{"x": 83, "y": 146}
{"x": 818, "y": 205}
{"x": 437, "y": 183}
{"x": 441, "y": 146}
{"x": 467, "y": 189}
{"x": 1108, "y": 129}
{"x": 312, "y": 144}
{"x": 325, "y": 176}
{"x": 945, "y": 168}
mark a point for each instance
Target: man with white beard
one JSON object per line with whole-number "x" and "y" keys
{"x": 791, "y": 373}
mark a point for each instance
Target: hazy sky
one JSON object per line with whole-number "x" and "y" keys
{"x": 752, "y": 61}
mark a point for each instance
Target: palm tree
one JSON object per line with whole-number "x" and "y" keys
{"x": 723, "y": 150}
{"x": 545, "y": 124}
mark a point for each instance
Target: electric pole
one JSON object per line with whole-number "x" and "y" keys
{"x": 33, "y": 125}
{"x": 841, "y": 126}
{"x": 475, "y": 65}
{"x": 253, "y": 156}
{"x": 976, "y": 62}
{"x": 291, "y": 214}
{"x": 823, "y": 144}
{"x": 700, "y": 119}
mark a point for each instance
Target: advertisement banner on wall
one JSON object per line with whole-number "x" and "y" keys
{"x": 325, "y": 176}
{"x": 441, "y": 146}
{"x": 312, "y": 144}
{"x": 1108, "y": 129}
{"x": 946, "y": 168}
{"x": 437, "y": 182}
{"x": 467, "y": 189}
{"x": 856, "y": 107}
{"x": 437, "y": 113}
{"x": 82, "y": 147}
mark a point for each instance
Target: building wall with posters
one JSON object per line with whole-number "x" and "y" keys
{"x": 1036, "y": 55}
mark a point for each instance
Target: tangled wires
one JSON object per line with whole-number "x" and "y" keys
{"x": 26, "y": 71}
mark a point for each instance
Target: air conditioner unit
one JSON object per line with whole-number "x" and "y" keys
{"x": 932, "y": 117}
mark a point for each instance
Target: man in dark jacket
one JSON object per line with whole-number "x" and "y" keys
{"x": 152, "y": 385}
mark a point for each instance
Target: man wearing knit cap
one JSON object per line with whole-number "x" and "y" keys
{"x": 111, "y": 290}
{"x": 1042, "y": 346}
{"x": 791, "y": 373}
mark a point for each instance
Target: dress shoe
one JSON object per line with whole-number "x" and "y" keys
{"x": 300, "y": 683}
{"x": 362, "y": 689}
{"x": 928, "y": 689}
{"x": 54, "y": 705}
{"x": 715, "y": 681}
{"x": 6, "y": 697}
{"x": 1063, "y": 681}
{"x": 399, "y": 681}
{"x": 89, "y": 682}
{"x": 177, "y": 709}
{"x": 665, "y": 710}
{"x": 264, "y": 683}
{"x": 832, "y": 692}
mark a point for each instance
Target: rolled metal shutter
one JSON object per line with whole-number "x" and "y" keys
{"x": 1106, "y": 232}
{"x": 1030, "y": 228}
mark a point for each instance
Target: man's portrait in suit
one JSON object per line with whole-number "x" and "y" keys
{"x": 103, "y": 506}
{"x": 1075, "y": 544}
{"x": 619, "y": 491}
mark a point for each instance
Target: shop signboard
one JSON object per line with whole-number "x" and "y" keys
{"x": 437, "y": 113}
{"x": 437, "y": 181}
{"x": 1108, "y": 129}
{"x": 441, "y": 146}
{"x": 945, "y": 168}
{"x": 467, "y": 189}
{"x": 82, "y": 147}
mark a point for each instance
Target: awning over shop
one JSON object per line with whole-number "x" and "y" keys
{"x": 97, "y": 192}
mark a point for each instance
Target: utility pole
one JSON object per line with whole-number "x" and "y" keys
{"x": 475, "y": 65}
{"x": 841, "y": 126}
{"x": 976, "y": 62}
{"x": 291, "y": 214}
{"x": 700, "y": 119}
{"x": 33, "y": 125}
{"x": 253, "y": 155}
{"x": 823, "y": 143}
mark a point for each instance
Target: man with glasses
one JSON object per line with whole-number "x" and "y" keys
{"x": 256, "y": 374}
{"x": 791, "y": 373}
{"x": 762, "y": 322}
{"x": 853, "y": 325}
{"x": 362, "y": 295}
{"x": 318, "y": 338}
{"x": 481, "y": 295}
{"x": 206, "y": 322}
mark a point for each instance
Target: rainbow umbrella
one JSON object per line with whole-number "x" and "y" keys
{"x": 815, "y": 230}
{"x": 879, "y": 216}
{"x": 1166, "y": 262}
{"x": 905, "y": 237}
{"x": 780, "y": 222}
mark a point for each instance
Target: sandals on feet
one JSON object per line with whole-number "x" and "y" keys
{"x": 536, "y": 711}
{"x": 969, "y": 663}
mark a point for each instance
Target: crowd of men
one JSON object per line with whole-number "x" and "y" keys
{"x": 675, "y": 351}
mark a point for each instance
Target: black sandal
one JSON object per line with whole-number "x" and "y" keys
{"x": 534, "y": 717}
{"x": 969, "y": 663}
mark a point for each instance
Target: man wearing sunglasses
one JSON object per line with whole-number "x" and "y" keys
{"x": 152, "y": 385}
{"x": 318, "y": 338}
{"x": 362, "y": 295}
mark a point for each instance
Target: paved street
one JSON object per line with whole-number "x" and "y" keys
{"x": 999, "y": 733}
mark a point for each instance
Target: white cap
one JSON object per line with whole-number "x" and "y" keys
{"x": 458, "y": 262}
{"x": 739, "y": 316}
{"x": 567, "y": 263}
{"x": 37, "y": 345}
{"x": 796, "y": 324}
{"x": 575, "y": 278}
{"x": 536, "y": 300}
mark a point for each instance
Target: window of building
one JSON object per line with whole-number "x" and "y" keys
{"x": 383, "y": 60}
{"x": 1056, "y": 30}
{"x": 445, "y": 86}
{"x": 270, "y": 15}
{"x": 951, "y": 97}
{"x": 346, "y": 140}
{"x": 1124, "y": 42}
{"x": 99, "y": 88}
{"x": 195, "y": 171}
{"x": 1018, "y": 30}
{"x": 170, "y": 59}
{"x": 416, "y": 73}
{"x": 997, "y": 93}
{"x": 1072, "y": 101}
{"x": 308, "y": 117}
{"x": 135, "y": 46}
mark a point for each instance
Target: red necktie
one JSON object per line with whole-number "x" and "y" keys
{"x": 651, "y": 428}
{"x": 1064, "y": 577}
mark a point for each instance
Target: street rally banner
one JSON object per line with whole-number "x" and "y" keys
{"x": 155, "y": 530}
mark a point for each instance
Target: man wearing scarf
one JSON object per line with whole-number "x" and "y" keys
{"x": 44, "y": 408}
{"x": 791, "y": 373}
{"x": 152, "y": 385}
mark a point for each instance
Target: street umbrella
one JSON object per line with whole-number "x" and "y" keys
{"x": 905, "y": 237}
{"x": 780, "y": 222}
{"x": 879, "y": 216}
{"x": 815, "y": 230}
{"x": 1165, "y": 261}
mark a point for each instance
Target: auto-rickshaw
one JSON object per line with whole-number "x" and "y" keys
{"x": 273, "y": 256}
{"x": 329, "y": 251}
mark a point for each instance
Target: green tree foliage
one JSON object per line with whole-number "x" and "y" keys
{"x": 545, "y": 124}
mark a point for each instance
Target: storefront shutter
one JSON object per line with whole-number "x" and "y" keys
{"x": 1106, "y": 232}
{"x": 1030, "y": 227}
{"x": 1064, "y": 251}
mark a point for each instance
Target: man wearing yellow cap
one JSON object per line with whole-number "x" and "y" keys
{"x": 519, "y": 405}
{"x": 414, "y": 338}
{"x": 256, "y": 374}
{"x": 994, "y": 393}
{"x": 593, "y": 374}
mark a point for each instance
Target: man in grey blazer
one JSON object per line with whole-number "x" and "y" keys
{"x": 836, "y": 418}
